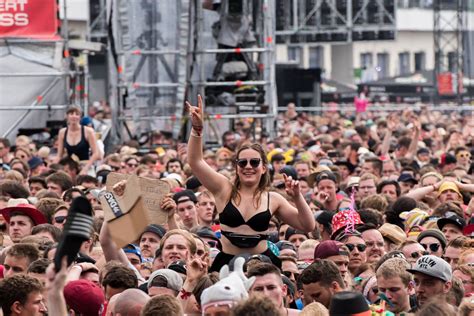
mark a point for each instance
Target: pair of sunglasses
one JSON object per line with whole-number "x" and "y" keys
{"x": 288, "y": 274}
{"x": 60, "y": 219}
{"x": 433, "y": 247}
{"x": 254, "y": 162}
{"x": 360, "y": 247}
{"x": 417, "y": 254}
{"x": 212, "y": 243}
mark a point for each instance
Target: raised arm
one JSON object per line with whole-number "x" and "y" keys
{"x": 216, "y": 183}
{"x": 300, "y": 217}
{"x": 419, "y": 193}
{"x": 391, "y": 126}
{"x": 414, "y": 142}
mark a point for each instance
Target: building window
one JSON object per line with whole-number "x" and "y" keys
{"x": 404, "y": 63}
{"x": 382, "y": 65}
{"x": 294, "y": 53}
{"x": 366, "y": 61}
{"x": 316, "y": 57}
{"x": 420, "y": 60}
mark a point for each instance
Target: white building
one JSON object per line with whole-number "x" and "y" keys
{"x": 412, "y": 50}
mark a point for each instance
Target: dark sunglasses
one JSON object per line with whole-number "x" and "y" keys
{"x": 360, "y": 247}
{"x": 212, "y": 243}
{"x": 254, "y": 162}
{"x": 115, "y": 168}
{"x": 60, "y": 219}
{"x": 288, "y": 274}
{"x": 417, "y": 254}
{"x": 433, "y": 247}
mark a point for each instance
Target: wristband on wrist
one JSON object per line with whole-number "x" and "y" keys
{"x": 198, "y": 128}
{"x": 184, "y": 294}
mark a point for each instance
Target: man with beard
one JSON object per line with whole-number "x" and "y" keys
{"x": 229, "y": 140}
{"x": 205, "y": 208}
{"x": 336, "y": 252}
{"x": 321, "y": 280}
{"x": 396, "y": 283}
{"x": 432, "y": 276}
{"x": 375, "y": 244}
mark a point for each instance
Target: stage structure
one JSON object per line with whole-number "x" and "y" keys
{"x": 38, "y": 78}
{"x": 165, "y": 52}
{"x": 308, "y": 21}
{"x": 450, "y": 28}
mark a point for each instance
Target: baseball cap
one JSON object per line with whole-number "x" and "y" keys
{"x": 349, "y": 303}
{"x": 329, "y": 248}
{"x": 178, "y": 266}
{"x": 453, "y": 219}
{"x": 291, "y": 231}
{"x": 131, "y": 248}
{"x": 193, "y": 183}
{"x": 433, "y": 266}
{"x": 325, "y": 218}
{"x": 325, "y": 175}
{"x": 35, "y": 162}
{"x": 206, "y": 232}
{"x": 407, "y": 177}
{"x": 84, "y": 297}
{"x": 184, "y": 196}
{"x": 173, "y": 279}
{"x": 156, "y": 229}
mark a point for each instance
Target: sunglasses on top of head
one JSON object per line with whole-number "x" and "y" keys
{"x": 254, "y": 162}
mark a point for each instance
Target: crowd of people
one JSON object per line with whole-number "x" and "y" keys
{"x": 338, "y": 214}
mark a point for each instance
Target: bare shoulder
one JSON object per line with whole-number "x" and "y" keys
{"x": 276, "y": 196}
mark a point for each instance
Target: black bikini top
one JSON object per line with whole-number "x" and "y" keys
{"x": 232, "y": 217}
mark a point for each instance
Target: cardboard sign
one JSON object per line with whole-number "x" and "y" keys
{"x": 128, "y": 215}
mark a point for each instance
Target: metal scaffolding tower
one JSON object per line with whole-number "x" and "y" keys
{"x": 251, "y": 93}
{"x": 164, "y": 52}
{"x": 450, "y": 25}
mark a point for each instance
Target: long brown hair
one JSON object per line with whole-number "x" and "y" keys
{"x": 264, "y": 180}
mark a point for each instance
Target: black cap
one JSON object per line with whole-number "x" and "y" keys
{"x": 291, "y": 231}
{"x": 407, "y": 177}
{"x": 193, "y": 183}
{"x": 290, "y": 172}
{"x": 325, "y": 218}
{"x": 156, "y": 229}
{"x": 178, "y": 266}
{"x": 325, "y": 175}
{"x": 184, "y": 196}
{"x": 102, "y": 176}
{"x": 206, "y": 232}
{"x": 453, "y": 219}
{"x": 348, "y": 303}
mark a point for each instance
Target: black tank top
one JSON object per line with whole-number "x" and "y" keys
{"x": 81, "y": 150}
